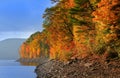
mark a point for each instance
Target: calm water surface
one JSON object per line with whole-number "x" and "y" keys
{"x": 13, "y": 69}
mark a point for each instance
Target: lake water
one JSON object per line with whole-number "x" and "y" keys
{"x": 13, "y": 69}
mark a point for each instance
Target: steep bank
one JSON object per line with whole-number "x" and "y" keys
{"x": 89, "y": 67}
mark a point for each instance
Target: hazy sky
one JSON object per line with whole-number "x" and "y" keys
{"x": 20, "y": 18}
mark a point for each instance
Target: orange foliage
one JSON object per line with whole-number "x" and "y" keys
{"x": 31, "y": 49}
{"x": 105, "y": 12}
{"x": 69, "y": 4}
{"x": 65, "y": 40}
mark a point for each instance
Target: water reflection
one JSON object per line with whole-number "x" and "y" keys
{"x": 29, "y": 63}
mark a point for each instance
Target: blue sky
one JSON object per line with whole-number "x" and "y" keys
{"x": 20, "y": 18}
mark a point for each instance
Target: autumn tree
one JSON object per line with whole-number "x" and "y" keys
{"x": 31, "y": 48}
{"x": 107, "y": 18}
{"x": 83, "y": 27}
{"x": 76, "y": 28}
{"x": 59, "y": 27}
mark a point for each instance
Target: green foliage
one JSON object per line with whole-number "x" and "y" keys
{"x": 80, "y": 13}
{"x": 80, "y": 2}
{"x": 44, "y": 49}
{"x": 30, "y": 39}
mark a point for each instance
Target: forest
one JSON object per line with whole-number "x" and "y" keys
{"x": 76, "y": 29}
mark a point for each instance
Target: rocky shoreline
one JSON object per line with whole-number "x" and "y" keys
{"x": 32, "y": 62}
{"x": 89, "y": 67}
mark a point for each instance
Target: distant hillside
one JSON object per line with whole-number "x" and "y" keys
{"x": 9, "y": 48}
